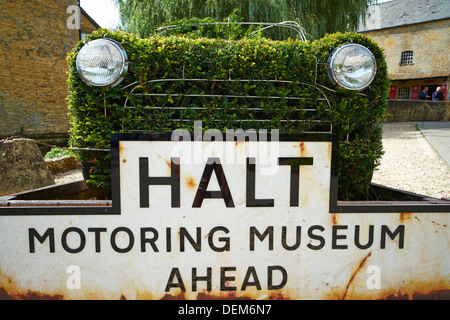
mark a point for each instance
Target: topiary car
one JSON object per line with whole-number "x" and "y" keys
{"x": 119, "y": 82}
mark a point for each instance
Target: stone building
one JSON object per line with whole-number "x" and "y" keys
{"x": 415, "y": 35}
{"x": 34, "y": 42}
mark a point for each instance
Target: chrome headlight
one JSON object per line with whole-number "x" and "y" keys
{"x": 352, "y": 66}
{"x": 102, "y": 62}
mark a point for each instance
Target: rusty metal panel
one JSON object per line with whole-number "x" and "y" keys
{"x": 239, "y": 227}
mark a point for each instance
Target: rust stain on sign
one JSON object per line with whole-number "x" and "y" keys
{"x": 358, "y": 268}
{"x": 190, "y": 183}
{"x": 166, "y": 161}
{"x": 334, "y": 218}
{"x": 405, "y": 216}
{"x": 28, "y": 295}
{"x": 9, "y": 291}
{"x": 421, "y": 294}
{"x": 302, "y": 149}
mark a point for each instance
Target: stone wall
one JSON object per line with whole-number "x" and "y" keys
{"x": 418, "y": 110}
{"x": 34, "y": 42}
{"x": 426, "y": 40}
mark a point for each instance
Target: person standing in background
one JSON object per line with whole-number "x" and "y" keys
{"x": 423, "y": 95}
{"x": 438, "y": 95}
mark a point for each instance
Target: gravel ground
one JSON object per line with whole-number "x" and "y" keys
{"x": 69, "y": 176}
{"x": 409, "y": 163}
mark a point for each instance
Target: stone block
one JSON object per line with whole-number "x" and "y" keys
{"x": 22, "y": 167}
{"x": 63, "y": 164}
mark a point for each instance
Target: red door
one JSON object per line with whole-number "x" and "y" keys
{"x": 415, "y": 92}
{"x": 444, "y": 87}
{"x": 393, "y": 93}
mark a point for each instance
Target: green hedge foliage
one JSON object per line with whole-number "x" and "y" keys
{"x": 299, "y": 69}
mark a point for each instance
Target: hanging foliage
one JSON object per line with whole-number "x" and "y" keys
{"x": 317, "y": 17}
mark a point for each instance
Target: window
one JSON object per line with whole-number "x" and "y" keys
{"x": 403, "y": 93}
{"x": 407, "y": 57}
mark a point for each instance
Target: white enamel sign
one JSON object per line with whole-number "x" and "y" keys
{"x": 227, "y": 219}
